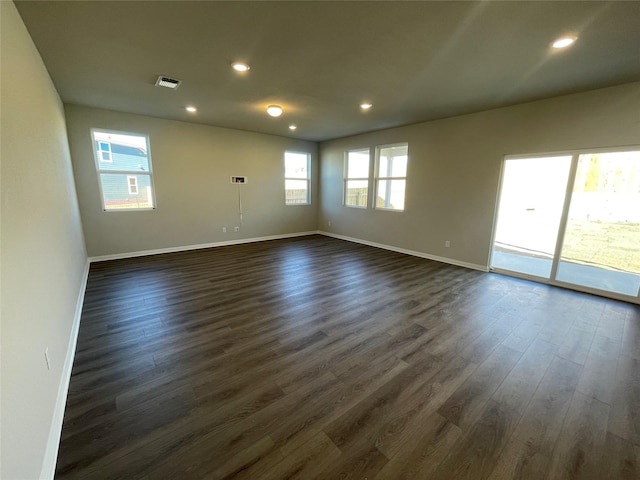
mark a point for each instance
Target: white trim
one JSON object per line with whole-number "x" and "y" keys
{"x": 305, "y": 179}
{"x": 575, "y": 151}
{"x": 134, "y": 184}
{"x": 346, "y": 178}
{"x": 378, "y": 177}
{"x": 143, "y": 253}
{"x": 451, "y": 261}
{"x": 101, "y": 151}
{"x": 55, "y": 430}
{"x": 100, "y": 171}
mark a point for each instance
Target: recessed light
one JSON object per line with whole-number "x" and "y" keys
{"x": 564, "y": 42}
{"x": 366, "y": 106}
{"x": 191, "y": 109}
{"x": 274, "y": 110}
{"x": 240, "y": 66}
{"x": 292, "y": 127}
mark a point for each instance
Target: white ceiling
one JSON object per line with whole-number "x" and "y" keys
{"x": 414, "y": 61}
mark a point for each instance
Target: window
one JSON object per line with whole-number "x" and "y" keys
{"x": 123, "y": 163}
{"x": 105, "y": 152}
{"x": 296, "y": 178}
{"x": 133, "y": 185}
{"x": 391, "y": 177}
{"x": 356, "y": 178}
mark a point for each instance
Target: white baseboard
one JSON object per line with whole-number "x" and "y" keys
{"x": 451, "y": 261}
{"x": 143, "y": 253}
{"x": 55, "y": 430}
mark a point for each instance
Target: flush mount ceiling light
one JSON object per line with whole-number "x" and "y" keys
{"x": 366, "y": 106}
{"x": 168, "y": 82}
{"x": 564, "y": 42}
{"x": 191, "y": 109}
{"x": 274, "y": 110}
{"x": 240, "y": 66}
{"x": 292, "y": 127}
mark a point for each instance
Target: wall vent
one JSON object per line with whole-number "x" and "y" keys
{"x": 168, "y": 82}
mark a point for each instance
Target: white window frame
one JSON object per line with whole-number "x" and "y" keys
{"x": 97, "y": 153}
{"x": 347, "y": 179}
{"x": 308, "y": 179}
{"x": 101, "y": 151}
{"x": 552, "y": 280}
{"x": 133, "y": 185}
{"x": 378, "y": 177}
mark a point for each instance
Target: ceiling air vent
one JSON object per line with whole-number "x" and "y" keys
{"x": 171, "y": 83}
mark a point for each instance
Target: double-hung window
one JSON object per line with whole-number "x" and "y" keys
{"x": 123, "y": 163}
{"x": 297, "y": 177}
{"x": 356, "y": 178}
{"x": 391, "y": 176}
{"x": 133, "y": 185}
{"x": 104, "y": 152}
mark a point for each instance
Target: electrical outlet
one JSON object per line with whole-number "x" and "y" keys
{"x": 236, "y": 229}
{"x": 447, "y": 243}
{"x": 224, "y": 229}
{"x": 46, "y": 358}
{"x": 329, "y": 223}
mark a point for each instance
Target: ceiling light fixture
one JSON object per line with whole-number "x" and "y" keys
{"x": 274, "y": 110}
{"x": 366, "y": 106}
{"x": 191, "y": 109}
{"x": 240, "y": 66}
{"x": 292, "y": 127}
{"x": 564, "y": 42}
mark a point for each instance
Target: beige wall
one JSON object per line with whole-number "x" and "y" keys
{"x": 42, "y": 255}
{"x": 454, "y": 168}
{"x": 192, "y": 166}
{"x": 451, "y": 192}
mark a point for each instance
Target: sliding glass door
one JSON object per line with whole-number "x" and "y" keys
{"x": 529, "y": 214}
{"x": 572, "y": 220}
{"x": 601, "y": 247}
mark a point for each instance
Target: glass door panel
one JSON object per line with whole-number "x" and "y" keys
{"x": 601, "y": 247}
{"x": 531, "y": 202}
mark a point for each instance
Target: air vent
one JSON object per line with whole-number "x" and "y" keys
{"x": 171, "y": 83}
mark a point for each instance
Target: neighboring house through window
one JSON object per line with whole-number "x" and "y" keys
{"x": 123, "y": 164}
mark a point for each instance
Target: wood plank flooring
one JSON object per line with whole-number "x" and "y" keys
{"x": 316, "y": 358}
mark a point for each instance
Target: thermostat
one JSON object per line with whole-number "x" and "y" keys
{"x": 238, "y": 179}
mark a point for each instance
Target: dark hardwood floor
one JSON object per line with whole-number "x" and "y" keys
{"x": 319, "y": 358}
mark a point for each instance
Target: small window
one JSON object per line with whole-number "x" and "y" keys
{"x": 297, "y": 177}
{"x": 104, "y": 152}
{"x": 391, "y": 176}
{"x": 123, "y": 163}
{"x": 356, "y": 178}
{"x": 133, "y": 185}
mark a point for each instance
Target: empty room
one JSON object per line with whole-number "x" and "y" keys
{"x": 320, "y": 240}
